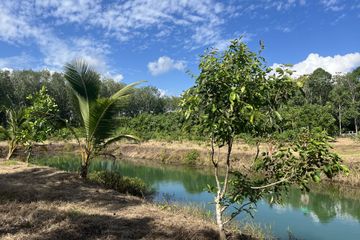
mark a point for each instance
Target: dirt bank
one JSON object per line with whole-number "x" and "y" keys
{"x": 43, "y": 203}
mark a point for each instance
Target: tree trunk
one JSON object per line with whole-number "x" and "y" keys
{"x": 356, "y": 127}
{"x": 12, "y": 147}
{"x": 221, "y": 190}
{"x": 85, "y": 157}
{"x": 340, "y": 130}
{"x": 84, "y": 170}
{"x": 29, "y": 150}
{"x": 219, "y": 221}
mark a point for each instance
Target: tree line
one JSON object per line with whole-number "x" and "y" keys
{"x": 16, "y": 86}
{"x": 325, "y": 101}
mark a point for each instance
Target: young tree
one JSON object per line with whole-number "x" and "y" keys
{"x": 15, "y": 123}
{"x": 98, "y": 115}
{"x": 40, "y": 118}
{"x": 234, "y": 94}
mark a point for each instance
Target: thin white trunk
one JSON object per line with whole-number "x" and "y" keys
{"x": 221, "y": 190}
{"x": 219, "y": 220}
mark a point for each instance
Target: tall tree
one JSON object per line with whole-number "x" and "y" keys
{"x": 340, "y": 99}
{"x": 352, "y": 80}
{"x": 318, "y": 86}
{"x": 145, "y": 100}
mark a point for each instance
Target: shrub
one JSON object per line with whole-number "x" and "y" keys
{"x": 113, "y": 180}
{"x": 191, "y": 157}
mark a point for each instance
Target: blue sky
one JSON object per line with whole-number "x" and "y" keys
{"x": 161, "y": 40}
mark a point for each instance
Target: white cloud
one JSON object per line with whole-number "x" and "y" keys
{"x": 128, "y": 19}
{"x": 163, "y": 92}
{"x": 332, "y": 64}
{"x": 21, "y": 29}
{"x": 7, "y": 69}
{"x": 165, "y": 64}
{"x": 14, "y": 28}
{"x": 332, "y": 5}
{"x": 68, "y": 10}
{"x": 16, "y": 62}
{"x": 201, "y": 18}
{"x": 27, "y": 23}
{"x": 117, "y": 77}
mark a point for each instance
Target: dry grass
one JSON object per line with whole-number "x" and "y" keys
{"x": 247, "y": 230}
{"x": 42, "y": 203}
{"x": 348, "y": 149}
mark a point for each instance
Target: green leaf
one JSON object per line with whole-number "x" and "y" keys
{"x": 278, "y": 115}
{"x": 232, "y": 96}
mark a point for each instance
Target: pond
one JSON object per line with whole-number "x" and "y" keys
{"x": 324, "y": 213}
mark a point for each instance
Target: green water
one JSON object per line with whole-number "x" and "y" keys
{"x": 324, "y": 213}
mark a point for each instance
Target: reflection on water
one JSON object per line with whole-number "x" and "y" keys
{"x": 324, "y": 213}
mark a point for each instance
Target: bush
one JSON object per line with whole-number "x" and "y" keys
{"x": 191, "y": 157}
{"x": 113, "y": 180}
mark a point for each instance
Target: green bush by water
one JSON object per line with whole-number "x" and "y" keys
{"x": 113, "y": 180}
{"x": 191, "y": 157}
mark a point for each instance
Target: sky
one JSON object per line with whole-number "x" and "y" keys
{"x": 161, "y": 40}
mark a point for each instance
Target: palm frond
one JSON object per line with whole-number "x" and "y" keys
{"x": 84, "y": 108}
{"x": 127, "y": 90}
{"x": 102, "y": 120}
{"x": 84, "y": 81}
{"x": 103, "y": 112}
{"x": 119, "y": 137}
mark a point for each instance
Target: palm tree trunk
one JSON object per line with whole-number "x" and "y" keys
{"x": 84, "y": 170}
{"x": 85, "y": 159}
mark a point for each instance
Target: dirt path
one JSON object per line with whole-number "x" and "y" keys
{"x": 43, "y": 203}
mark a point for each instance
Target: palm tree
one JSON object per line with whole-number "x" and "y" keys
{"x": 98, "y": 115}
{"x": 15, "y": 121}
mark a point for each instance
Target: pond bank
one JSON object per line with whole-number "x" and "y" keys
{"x": 196, "y": 154}
{"x": 44, "y": 203}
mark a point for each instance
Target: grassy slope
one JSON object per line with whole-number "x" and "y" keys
{"x": 43, "y": 203}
